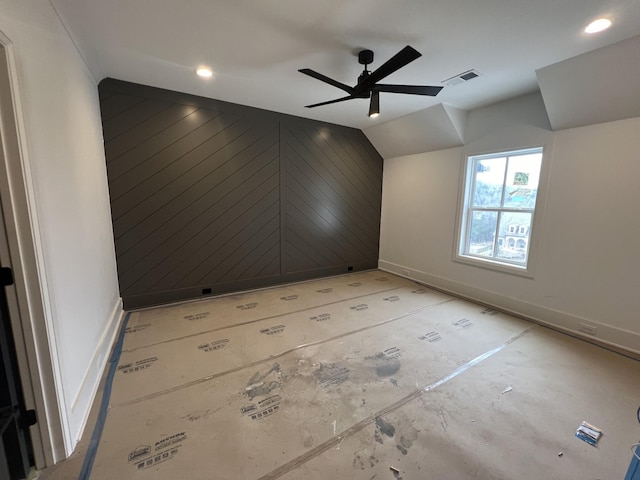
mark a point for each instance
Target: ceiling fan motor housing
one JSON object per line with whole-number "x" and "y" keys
{"x": 363, "y": 75}
{"x": 365, "y": 57}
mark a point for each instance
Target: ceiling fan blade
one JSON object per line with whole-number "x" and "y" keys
{"x": 410, "y": 89}
{"x": 325, "y": 79}
{"x": 331, "y": 101}
{"x": 403, "y": 57}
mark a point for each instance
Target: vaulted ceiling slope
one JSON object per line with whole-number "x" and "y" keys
{"x": 256, "y": 47}
{"x": 596, "y": 87}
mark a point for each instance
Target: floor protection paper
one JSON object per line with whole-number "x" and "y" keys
{"x": 277, "y": 382}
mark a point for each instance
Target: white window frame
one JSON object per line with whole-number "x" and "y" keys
{"x": 463, "y": 220}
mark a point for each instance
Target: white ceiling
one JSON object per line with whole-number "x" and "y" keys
{"x": 257, "y": 46}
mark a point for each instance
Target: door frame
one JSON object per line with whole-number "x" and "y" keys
{"x": 20, "y": 250}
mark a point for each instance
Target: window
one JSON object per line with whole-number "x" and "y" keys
{"x": 499, "y": 206}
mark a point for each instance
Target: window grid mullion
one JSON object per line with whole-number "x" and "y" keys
{"x": 504, "y": 209}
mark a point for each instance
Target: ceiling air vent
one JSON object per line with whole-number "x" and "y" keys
{"x": 461, "y": 78}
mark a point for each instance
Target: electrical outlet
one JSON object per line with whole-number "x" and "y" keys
{"x": 588, "y": 329}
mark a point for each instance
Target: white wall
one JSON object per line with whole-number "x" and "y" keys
{"x": 587, "y": 263}
{"x": 65, "y": 177}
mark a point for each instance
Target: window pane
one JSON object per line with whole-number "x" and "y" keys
{"x": 513, "y": 238}
{"x": 481, "y": 233}
{"x": 522, "y": 181}
{"x": 489, "y": 178}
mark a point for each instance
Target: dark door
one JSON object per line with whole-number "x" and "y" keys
{"x": 15, "y": 446}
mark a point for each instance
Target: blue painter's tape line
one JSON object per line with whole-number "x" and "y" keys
{"x": 634, "y": 467}
{"x": 90, "y": 456}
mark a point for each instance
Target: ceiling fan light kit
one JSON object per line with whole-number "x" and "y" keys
{"x": 374, "y": 105}
{"x": 368, "y": 86}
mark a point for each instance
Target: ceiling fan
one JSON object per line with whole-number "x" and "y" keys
{"x": 368, "y": 86}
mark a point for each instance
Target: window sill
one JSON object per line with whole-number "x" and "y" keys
{"x": 495, "y": 266}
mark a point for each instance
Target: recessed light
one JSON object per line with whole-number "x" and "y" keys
{"x": 598, "y": 25}
{"x": 204, "y": 72}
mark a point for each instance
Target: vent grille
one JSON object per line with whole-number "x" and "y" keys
{"x": 461, "y": 77}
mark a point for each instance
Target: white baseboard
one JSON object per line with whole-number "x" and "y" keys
{"x": 567, "y": 322}
{"x": 83, "y": 400}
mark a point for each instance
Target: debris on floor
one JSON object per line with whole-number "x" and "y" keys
{"x": 588, "y": 433}
{"x": 507, "y": 390}
{"x": 396, "y": 473}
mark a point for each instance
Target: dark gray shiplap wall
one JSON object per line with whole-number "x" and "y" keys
{"x": 212, "y": 197}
